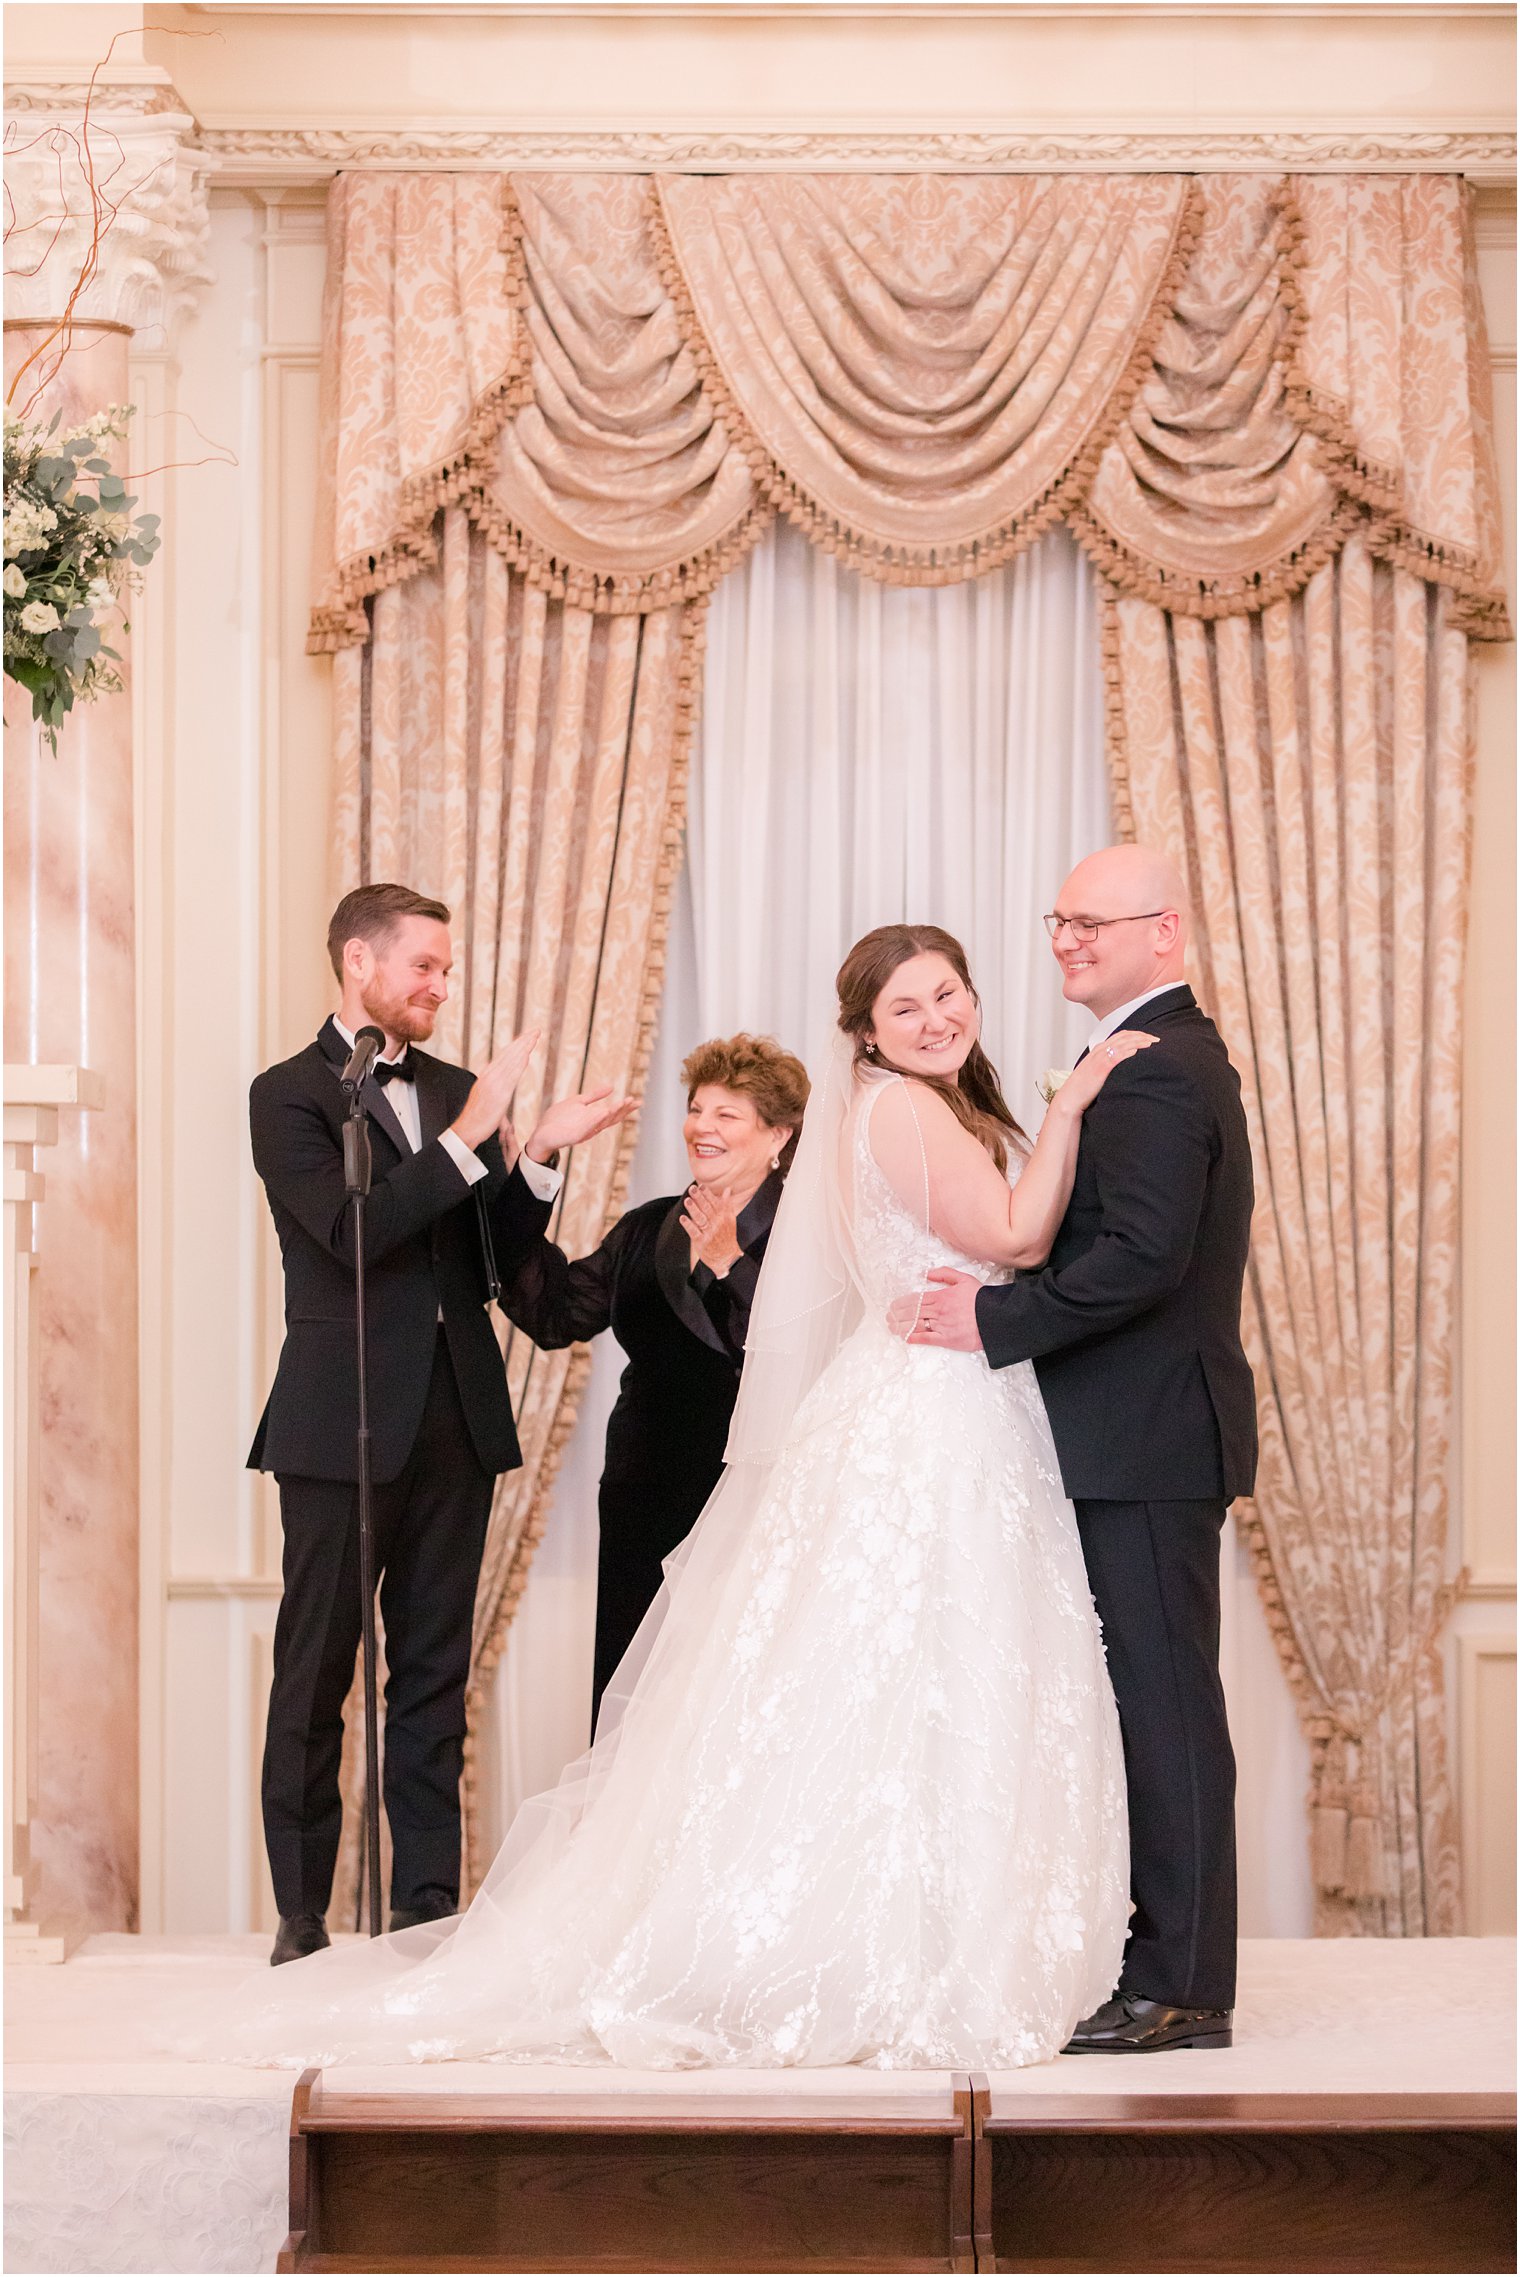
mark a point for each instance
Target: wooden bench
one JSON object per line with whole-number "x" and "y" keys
{"x": 887, "y": 2172}
{"x": 1243, "y": 2181}
{"x": 775, "y": 2178}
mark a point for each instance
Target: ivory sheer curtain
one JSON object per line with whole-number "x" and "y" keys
{"x": 1221, "y": 385}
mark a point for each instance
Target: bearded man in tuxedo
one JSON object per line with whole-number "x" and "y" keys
{"x": 1133, "y": 1325}
{"x": 445, "y": 1219}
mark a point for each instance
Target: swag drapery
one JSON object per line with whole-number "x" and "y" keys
{"x": 558, "y": 408}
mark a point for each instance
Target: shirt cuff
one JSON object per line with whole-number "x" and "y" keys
{"x": 542, "y": 1179}
{"x": 470, "y": 1167}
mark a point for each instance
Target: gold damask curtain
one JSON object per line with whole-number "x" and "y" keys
{"x": 558, "y": 408}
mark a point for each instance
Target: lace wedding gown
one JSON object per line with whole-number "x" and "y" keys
{"x": 860, "y": 1796}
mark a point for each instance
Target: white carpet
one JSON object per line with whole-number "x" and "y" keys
{"x": 116, "y": 2161}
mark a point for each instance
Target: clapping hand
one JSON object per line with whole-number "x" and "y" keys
{"x": 490, "y": 1100}
{"x": 573, "y": 1120}
{"x": 712, "y": 1226}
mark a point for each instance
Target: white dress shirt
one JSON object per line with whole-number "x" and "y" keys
{"x": 542, "y": 1179}
{"x": 1126, "y": 1012}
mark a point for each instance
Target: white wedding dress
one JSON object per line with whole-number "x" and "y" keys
{"x": 858, "y": 1795}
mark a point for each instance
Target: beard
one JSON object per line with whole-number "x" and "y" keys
{"x": 398, "y": 1016}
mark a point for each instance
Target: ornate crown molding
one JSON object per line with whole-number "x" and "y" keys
{"x": 150, "y": 254}
{"x": 266, "y": 153}
{"x": 248, "y": 154}
{"x": 145, "y": 94}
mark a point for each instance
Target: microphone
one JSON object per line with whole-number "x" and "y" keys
{"x": 368, "y": 1044}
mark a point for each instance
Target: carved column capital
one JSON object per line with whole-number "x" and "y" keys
{"x": 147, "y": 216}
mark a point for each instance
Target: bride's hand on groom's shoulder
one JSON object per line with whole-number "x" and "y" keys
{"x": 1085, "y": 1081}
{"x": 943, "y": 1313}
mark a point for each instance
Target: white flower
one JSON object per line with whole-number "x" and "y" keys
{"x": 15, "y": 581}
{"x": 39, "y": 617}
{"x": 1050, "y": 1082}
{"x": 25, "y": 524}
{"x": 99, "y": 597}
{"x": 111, "y": 421}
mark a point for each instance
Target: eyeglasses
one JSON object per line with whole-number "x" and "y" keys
{"x": 1088, "y": 928}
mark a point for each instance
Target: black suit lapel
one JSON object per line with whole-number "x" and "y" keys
{"x": 1178, "y": 999}
{"x": 380, "y": 1110}
{"x": 672, "y": 1265}
{"x": 1163, "y": 1008}
{"x": 759, "y": 1213}
{"x": 372, "y": 1094}
{"x": 432, "y": 1097}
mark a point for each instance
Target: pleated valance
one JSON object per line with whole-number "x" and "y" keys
{"x": 1215, "y": 379}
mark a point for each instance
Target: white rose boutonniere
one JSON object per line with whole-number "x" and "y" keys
{"x": 1050, "y": 1082}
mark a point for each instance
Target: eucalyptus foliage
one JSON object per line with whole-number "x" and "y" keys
{"x": 73, "y": 551}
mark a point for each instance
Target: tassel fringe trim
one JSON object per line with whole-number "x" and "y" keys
{"x": 1368, "y": 495}
{"x": 951, "y": 564}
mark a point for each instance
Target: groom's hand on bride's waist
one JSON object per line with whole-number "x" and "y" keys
{"x": 943, "y": 1313}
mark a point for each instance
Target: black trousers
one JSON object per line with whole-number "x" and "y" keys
{"x": 430, "y": 1531}
{"x": 640, "y": 1524}
{"x": 1154, "y": 1572}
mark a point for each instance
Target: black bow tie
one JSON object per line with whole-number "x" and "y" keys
{"x": 394, "y": 1070}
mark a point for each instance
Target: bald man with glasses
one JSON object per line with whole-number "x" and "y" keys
{"x": 1133, "y": 1325}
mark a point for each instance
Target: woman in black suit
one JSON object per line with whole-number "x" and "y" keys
{"x": 673, "y": 1280}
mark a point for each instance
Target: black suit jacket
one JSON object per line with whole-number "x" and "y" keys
{"x": 1133, "y": 1323}
{"x": 684, "y": 1336}
{"x": 425, "y": 1250}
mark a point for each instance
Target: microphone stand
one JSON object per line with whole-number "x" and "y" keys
{"x": 356, "y": 1176}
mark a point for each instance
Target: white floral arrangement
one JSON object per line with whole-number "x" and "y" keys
{"x": 73, "y": 551}
{"x": 1050, "y": 1082}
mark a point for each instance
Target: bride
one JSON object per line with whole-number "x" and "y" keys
{"x": 856, "y": 1795}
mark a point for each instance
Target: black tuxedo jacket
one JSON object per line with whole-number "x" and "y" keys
{"x": 428, "y": 1248}
{"x": 1133, "y": 1323}
{"x": 684, "y": 1335}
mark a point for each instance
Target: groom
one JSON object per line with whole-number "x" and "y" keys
{"x": 1133, "y": 1325}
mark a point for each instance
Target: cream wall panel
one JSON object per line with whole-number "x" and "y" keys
{"x": 1486, "y": 1710}
{"x": 233, "y": 741}
{"x": 628, "y": 67}
{"x": 203, "y": 1716}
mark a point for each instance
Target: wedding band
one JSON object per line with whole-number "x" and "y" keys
{"x": 1110, "y": 1050}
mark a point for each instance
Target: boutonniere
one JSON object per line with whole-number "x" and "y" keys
{"x": 1050, "y": 1082}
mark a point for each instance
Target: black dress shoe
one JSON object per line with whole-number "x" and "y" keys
{"x": 431, "y": 1905}
{"x": 1130, "y": 2026}
{"x": 299, "y": 1934}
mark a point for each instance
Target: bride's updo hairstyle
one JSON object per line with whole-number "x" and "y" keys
{"x": 974, "y": 1094}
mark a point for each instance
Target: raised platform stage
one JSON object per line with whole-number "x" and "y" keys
{"x": 1363, "y": 2121}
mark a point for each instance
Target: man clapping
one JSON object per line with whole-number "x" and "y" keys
{"x": 444, "y": 1217}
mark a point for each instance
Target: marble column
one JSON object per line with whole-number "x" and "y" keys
{"x": 70, "y": 984}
